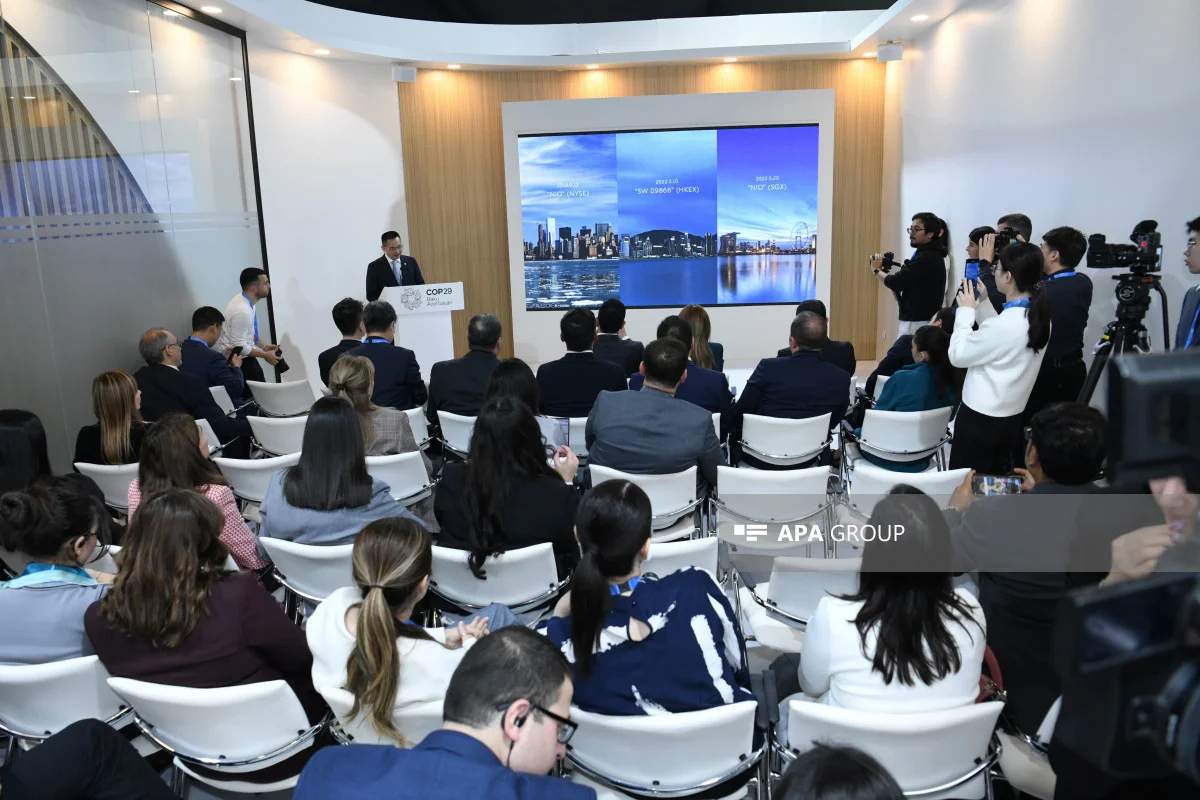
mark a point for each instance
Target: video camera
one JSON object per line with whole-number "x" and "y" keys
{"x": 1144, "y": 255}
{"x": 889, "y": 261}
{"x": 1004, "y": 238}
{"x": 1129, "y": 654}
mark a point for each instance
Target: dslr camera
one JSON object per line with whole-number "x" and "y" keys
{"x": 1144, "y": 255}
{"x": 889, "y": 261}
{"x": 1003, "y": 239}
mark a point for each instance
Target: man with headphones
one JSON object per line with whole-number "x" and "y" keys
{"x": 506, "y": 720}
{"x": 920, "y": 283}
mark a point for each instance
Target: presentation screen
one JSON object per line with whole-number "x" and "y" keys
{"x": 663, "y": 218}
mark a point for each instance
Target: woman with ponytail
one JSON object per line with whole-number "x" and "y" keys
{"x": 362, "y": 635}
{"x": 641, "y": 644}
{"x": 1002, "y": 358}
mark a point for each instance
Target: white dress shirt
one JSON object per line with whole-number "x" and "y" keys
{"x": 238, "y": 331}
{"x": 1001, "y": 367}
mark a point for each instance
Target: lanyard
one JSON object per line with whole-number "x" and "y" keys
{"x": 201, "y": 341}
{"x": 375, "y": 340}
{"x": 1022, "y": 303}
{"x": 253, "y": 316}
{"x": 1066, "y": 273}
{"x": 37, "y": 574}
{"x": 627, "y": 586}
{"x": 1192, "y": 333}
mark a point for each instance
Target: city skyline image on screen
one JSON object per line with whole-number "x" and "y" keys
{"x": 661, "y": 218}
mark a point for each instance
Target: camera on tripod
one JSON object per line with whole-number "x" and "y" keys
{"x": 1144, "y": 255}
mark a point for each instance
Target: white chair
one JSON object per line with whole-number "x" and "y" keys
{"x": 405, "y": 474}
{"x": 310, "y": 571}
{"x": 879, "y": 382}
{"x": 869, "y": 484}
{"x": 673, "y": 501}
{"x": 778, "y": 610}
{"x": 931, "y": 754}
{"x": 220, "y": 395}
{"x": 523, "y": 579}
{"x": 785, "y": 442}
{"x": 282, "y": 399}
{"x": 1025, "y": 760}
{"x": 668, "y": 557}
{"x": 210, "y": 435}
{"x": 902, "y": 435}
{"x": 419, "y": 426}
{"x": 113, "y": 480}
{"x": 577, "y": 436}
{"x": 39, "y": 700}
{"x": 414, "y": 723}
{"x": 627, "y": 753}
{"x": 456, "y": 432}
{"x": 717, "y": 424}
{"x": 278, "y": 436}
{"x": 249, "y": 478}
{"x": 106, "y": 560}
{"x": 769, "y": 498}
{"x": 233, "y": 730}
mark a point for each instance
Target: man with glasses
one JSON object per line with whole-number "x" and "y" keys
{"x": 165, "y": 388}
{"x": 1188, "y": 333}
{"x": 920, "y": 284}
{"x": 506, "y": 721}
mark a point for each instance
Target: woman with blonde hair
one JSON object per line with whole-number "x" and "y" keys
{"x": 116, "y": 438}
{"x": 710, "y": 355}
{"x": 386, "y": 431}
{"x": 362, "y": 637}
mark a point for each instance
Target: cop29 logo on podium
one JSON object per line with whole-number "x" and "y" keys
{"x": 411, "y": 298}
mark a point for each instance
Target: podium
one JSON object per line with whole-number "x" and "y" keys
{"x": 423, "y": 320}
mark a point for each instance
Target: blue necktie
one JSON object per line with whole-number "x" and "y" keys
{"x": 396, "y": 270}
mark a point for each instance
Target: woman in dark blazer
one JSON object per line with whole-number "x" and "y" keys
{"x": 176, "y": 616}
{"x": 506, "y": 496}
{"x": 116, "y": 438}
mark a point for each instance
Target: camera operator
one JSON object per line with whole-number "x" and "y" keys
{"x": 920, "y": 283}
{"x": 1010, "y": 228}
{"x": 1188, "y": 333}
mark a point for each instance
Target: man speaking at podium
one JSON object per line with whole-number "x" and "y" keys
{"x": 393, "y": 268}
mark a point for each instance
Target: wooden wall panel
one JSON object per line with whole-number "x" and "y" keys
{"x": 454, "y": 169}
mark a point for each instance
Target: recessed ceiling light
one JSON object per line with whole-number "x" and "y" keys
{"x": 920, "y": 18}
{"x": 454, "y": 66}
{"x": 321, "y": 51}
{"x": 135, "y": 91}
{"x": 593, "y": 66}
{"x": 730, "y": 60}
{"x": 30, "y": 97}
{"x": 235, "y": 78}
{"x": 211, "y": 9}
{"x": 869, "y": 54}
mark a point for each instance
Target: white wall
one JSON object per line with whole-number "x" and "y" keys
{"x": 1076, "y": 112}
{"x": 332, "y": 180}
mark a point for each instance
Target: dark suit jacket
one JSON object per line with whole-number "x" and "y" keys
{"x": 840, "y": 354}
{"x": 898, "y": 357}
{"x": 165, "y": 390}
{"x": 569, "y": 386}
{"x": 446, "y": 765}
{"x": 706, "y": 388}
{"x": 327, "y": 357}
{"x": 626, "y": 352}
{"x": 89, "y": 450}
{"x": 1187, "y": 313}
{"x": 458, "y": 385}
{"x": 718, "y": 351}
{"x": 210, "y": 368}
{"x": 652, "y": 433}
{"x": 798, "y": 387}
{"x": 398, "y": 381}
{"x": 380, "y": 275}
{"x": 539, "y": 509}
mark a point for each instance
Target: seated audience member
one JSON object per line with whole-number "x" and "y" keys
{"x": 176, "y": 616}
{"x": 801, "y": 386}
{"x": 175, "y": 456}
{"x": 642, "y": 644}
{"x": 612, "y": 344}
{"x": 831, "y": 771}
{"x": 710, "y": 355}
{"x": 457, "y": 386}
{"x": 207, "y": 365}
{"x": 840, "y": 354}
{"x": 505, "y": 496}
{"x": 907, "y": 640}
{"x": 348, "y": 317}
{"x": 928, "y": 384}
{"x": 513, "y": 378}
{"x": 329, "y": 496}
{"x": 398, "y": 381}
{"x": 362, "y": 635}
{"x": 506, "y": 723}
{"x": 41, "y": 612}
{"x": 87, "y": 760}
{"x": 569, "y": 386}
{"x": 386, "y": 431}
{"x": 1020, "y": 547}
{"x": 706, "y": 388}
{"x": 165, "y": 389}
{"x": 652, "y": 432}
{"x": 900, "y": 353}
{"x": 116, "y": 438}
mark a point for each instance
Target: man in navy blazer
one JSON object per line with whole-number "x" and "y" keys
{"x": 393, "y": 268}
{"x": 800, "y": 386}
{"x": 347, "y": 316}
{"x": 838, "y": 353}
{"x": 569, "y": 386}
{"x": 207, "y": 365}
{"x": 506, "y": 721}
{"x": 706, "y": 388}
{"x": 611, "y": 342}
{"x": 1187, "y": 335}
{"x": 398, "y": 382}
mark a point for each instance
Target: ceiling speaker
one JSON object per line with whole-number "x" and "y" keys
{"x": 892, "y": 51}
{"x": 404, "y": 74}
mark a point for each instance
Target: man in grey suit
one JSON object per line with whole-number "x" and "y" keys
{"x": 1187, "y": 335}
{"x": 651, "y": 432}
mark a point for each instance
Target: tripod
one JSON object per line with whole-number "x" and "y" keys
{"x": 1126, "y": 334}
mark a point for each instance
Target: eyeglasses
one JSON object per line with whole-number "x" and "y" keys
{"x": 172, "y": 344}
{"x": 915, "y": 229}
{"x": 566, "y": 728}
{"x": 1191, "y": 244}
{"x": 1028, "y": 433}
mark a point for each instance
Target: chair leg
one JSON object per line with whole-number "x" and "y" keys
{"x": 178, "y": 781}
{"x": 291, "y": 606}
{"x": 10, "y": 750}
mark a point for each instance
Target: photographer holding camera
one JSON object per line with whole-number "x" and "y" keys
{"x": 1009, "y": 228}
{"x": 1187, "y": 335}
{"x": 920, "y": 283}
